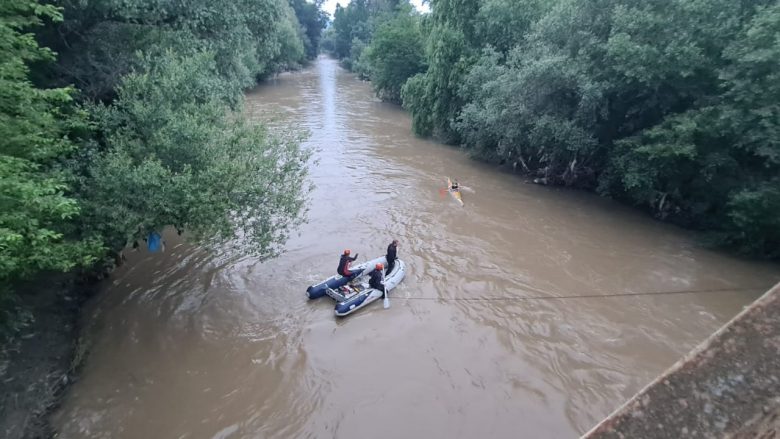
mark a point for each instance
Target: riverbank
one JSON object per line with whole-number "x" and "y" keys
{"x": 41, "y": 359}
{"x": 236, "y": 348}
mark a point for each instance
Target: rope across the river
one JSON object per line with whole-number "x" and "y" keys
{"x": 587, "y": 296}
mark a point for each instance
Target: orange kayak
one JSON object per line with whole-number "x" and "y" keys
{"x": 455, "y": 193}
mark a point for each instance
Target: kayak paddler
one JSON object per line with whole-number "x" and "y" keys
{"x": 391, "y": 255}
{"x": 455, "y": 186}
{"x": 344, "y": 262}
{"x": 375, "y": 279}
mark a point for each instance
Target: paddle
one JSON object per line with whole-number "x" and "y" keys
{"x": 386, "y": 301}
{"x": 452, "y": 191}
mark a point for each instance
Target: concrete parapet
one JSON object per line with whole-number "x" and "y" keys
{"x": 728, "y": 386}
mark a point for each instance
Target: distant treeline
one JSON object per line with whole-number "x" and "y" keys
{"x": 120, "y": 117}
{"x": 670, "y": 105}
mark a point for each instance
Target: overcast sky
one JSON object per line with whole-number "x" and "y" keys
{"x": 330, "y": 5}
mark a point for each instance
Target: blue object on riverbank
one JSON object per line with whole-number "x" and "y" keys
{"x": 154, "y": 242}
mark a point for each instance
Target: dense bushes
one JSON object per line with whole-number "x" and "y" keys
{"x": 36, "y": 125}
{"x": 670, "y": 105}
{"x": 148, "y": 135}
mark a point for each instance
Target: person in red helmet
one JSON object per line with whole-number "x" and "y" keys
{"x": 376, "y": 278}
{"x": 344, "y": 262}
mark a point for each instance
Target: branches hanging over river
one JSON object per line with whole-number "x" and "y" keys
{"x": 154, "y": 136}
{"x": 671, "y": 105}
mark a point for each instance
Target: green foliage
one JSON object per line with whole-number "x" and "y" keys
{"x": 161, "y": 146}
{"x": 294, "y": 44}
{"x": 668, "y": 105}
{"x": 358, "y": 61}
{"x": 502, "y": 24}
{"x": 99, "y": 41}
{"x": 312, "y": 20}
{"x": 350, "y": 23}
{"x": 449, "y": 60}
{"x": 537, "y": 111}
{"x": 753, "y": 222}
{"x": 176, "y": 157}
{"x": 717, "y": 167}
{"x": 416, "y": 101}
{"x": 450, "y": 54}
{"x": 35, "y": 209}
{"x": 354, "y": 26}
{"x": 396, "y": 53}
{"x": 328, "y": 41}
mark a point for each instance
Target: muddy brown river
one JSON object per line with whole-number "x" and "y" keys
{"x": 494, "y": 333}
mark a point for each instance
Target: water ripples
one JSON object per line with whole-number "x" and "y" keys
{"x": 192, "y": 343}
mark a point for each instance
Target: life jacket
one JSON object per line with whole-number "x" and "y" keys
{"x": 391, "y": 253}
{"x": 343, "y": 268}
{"x": 340, "y": 269}
{"x": 376, "y": 280}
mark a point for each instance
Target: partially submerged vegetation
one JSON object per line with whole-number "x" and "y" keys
{"x": 120, "y": 118}
{"x": 669, "y": 105}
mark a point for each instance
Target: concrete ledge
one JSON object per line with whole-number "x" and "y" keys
{"x": 728, "y": 386}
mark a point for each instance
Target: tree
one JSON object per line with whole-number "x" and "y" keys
{"x": 294, "y": 45}
{"x": 670, "y": 105}
{"x": 173, "y": 155}
{"x": 502, "y": 24}
{"x": 717, "y": 167}
{"x": 161, "y": 146}
{"x": 396, "y": 53}
{"x": 99, "y": 41}
{"x": 536, "y": 112}
{"x": 36, "y": 209}
{"x": 433, "y": 97}
{"x": 328, "y": 41}
{"x": 313, "y": 20}
{"x": 354, "y": 26}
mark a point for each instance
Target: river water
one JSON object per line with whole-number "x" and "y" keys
{"x": 477, "y": 341}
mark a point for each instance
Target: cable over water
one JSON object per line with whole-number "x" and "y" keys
{"x": 495, "y": 331}
{"x": 592, "y": 296}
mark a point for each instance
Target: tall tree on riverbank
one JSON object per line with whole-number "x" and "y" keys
{"x": 172, "y": 154}
{"x": 432, "y": 96}
{"x": 354, "y": 26}
{"x": 166, "y": 149}
{"x": 314, "y": 20}
{"x": 668, "y": 105}
{"x": 717, "y": 164}
{"x": 395, "y": 54}
{"x": 98, "y": 42}
{"x": 154, "y": 136}
{"x": 36, "y": 126}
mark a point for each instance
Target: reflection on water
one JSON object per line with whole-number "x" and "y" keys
{"x": 191, "y": 345}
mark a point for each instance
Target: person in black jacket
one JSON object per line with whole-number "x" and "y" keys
{"x": 343, "y": 268}
{"x": 376, "y": 280}
{"x": 392, "y": 254}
